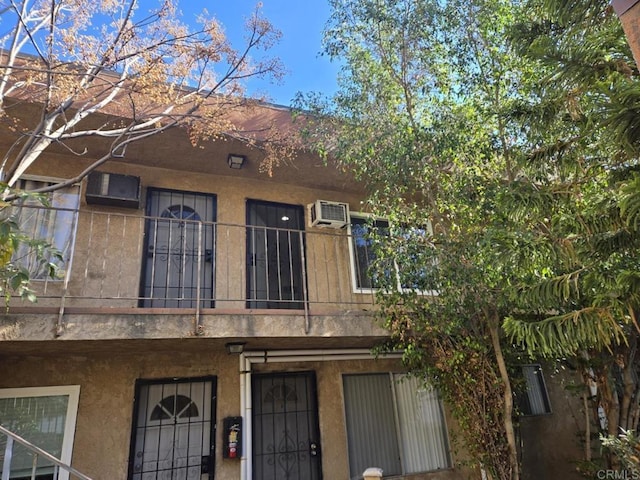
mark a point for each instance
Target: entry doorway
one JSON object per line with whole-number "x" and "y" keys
{"x": 179, "y": 264}
{"x": 173, "y": 431}
{"x": 275, "y": 255}
{"x": 286, "y": 433}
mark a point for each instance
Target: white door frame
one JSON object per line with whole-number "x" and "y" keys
{"x": 247, "y": 359}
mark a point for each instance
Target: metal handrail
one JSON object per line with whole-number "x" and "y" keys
{"x": 115, "y": 259}
{"x": 6, "y": 466}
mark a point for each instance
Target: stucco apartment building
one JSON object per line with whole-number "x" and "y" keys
{"x": 215, "y": 322}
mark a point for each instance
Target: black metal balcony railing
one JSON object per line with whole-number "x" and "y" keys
{"x": 124, "y": 260}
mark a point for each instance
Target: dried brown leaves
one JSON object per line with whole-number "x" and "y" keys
{"x": 110, "y": 57}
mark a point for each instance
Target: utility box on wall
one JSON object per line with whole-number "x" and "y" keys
{"x": 113, "y": 189}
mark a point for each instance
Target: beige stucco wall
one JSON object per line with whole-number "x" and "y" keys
{"x": 107, "y": 370}
{"x": 553, "y": 445}
{"x": 109, "y": 245}
{"x": 107, "y": 384}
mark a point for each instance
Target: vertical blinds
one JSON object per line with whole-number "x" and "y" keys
{"x": 422, "y": 426}
{"x": 394, "y": 424}
{"x": 371, "y": 432}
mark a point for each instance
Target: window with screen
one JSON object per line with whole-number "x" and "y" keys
{"x": 531, "y": 392}
{"x": 51, "y": 220}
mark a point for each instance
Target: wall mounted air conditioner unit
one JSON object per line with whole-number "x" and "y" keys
{"x": 113, "y": 189}
{"x": 323, "y": 213}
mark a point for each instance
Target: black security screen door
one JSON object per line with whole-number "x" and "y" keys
{"x": 286, "y": 438}
{"x": 275, "y": 242}
{"x": 173, "y": 431}
{"x": 179, "y": 263}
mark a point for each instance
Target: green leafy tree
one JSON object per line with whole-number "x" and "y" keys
{"x": 578, "y": 295}
{"x": 500, "y": 139}
{"x": 421, "y": 118}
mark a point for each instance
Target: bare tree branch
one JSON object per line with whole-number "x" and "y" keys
{"x": 143, "y": 73}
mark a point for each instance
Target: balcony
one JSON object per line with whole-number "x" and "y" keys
{"x": 130, "y": 263}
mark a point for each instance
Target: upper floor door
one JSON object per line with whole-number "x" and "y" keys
{"x": 275, "y": 255}
{"x": 179, "y": 264}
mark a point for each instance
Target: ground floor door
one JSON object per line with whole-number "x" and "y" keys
{"x": 173, "y": 434}
{"x": 286, "y": 435}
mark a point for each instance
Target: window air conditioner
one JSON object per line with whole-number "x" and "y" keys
{"x": 329, "y": 214}
{"x": 113, "y": 189}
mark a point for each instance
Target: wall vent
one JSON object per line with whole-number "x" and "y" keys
{"x": 113, "y": 189}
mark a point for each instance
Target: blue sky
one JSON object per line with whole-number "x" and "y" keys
{"x": 301, "y": 23}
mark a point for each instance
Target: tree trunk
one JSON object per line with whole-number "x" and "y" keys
{"x": 494, "y": 331}
{"x": 627, "y": 394}
{"x": 587, "y": 428}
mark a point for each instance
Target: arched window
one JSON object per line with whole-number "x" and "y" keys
{"x": 180, "y": 212}
{"x": 174, "y": 407}
{"x": 281, "y": 393}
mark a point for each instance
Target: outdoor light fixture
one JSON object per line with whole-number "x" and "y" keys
{"x": 235, "y": 347}
{"x": 236, "y": 161}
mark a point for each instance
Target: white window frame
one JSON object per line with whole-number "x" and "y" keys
{"x": 353, "y": 262}
{"x": 73, "y": 394}
{"x": 68, "y": 254}
{"x": 352, "y": 254}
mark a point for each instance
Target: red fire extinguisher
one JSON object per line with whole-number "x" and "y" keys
{"x": 233, "y": 440}
{"x": 232, "y": 437}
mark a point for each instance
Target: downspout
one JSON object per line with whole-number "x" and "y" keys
{"x": 67, "y": 274}
{"x": 245, "y": 370}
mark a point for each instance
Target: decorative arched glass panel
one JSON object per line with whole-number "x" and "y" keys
{"x": 175, "y": 406}
{"x": 173, "y": 430}
{"x": 281, "y": 393}
{"x": 181, "y": 212}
